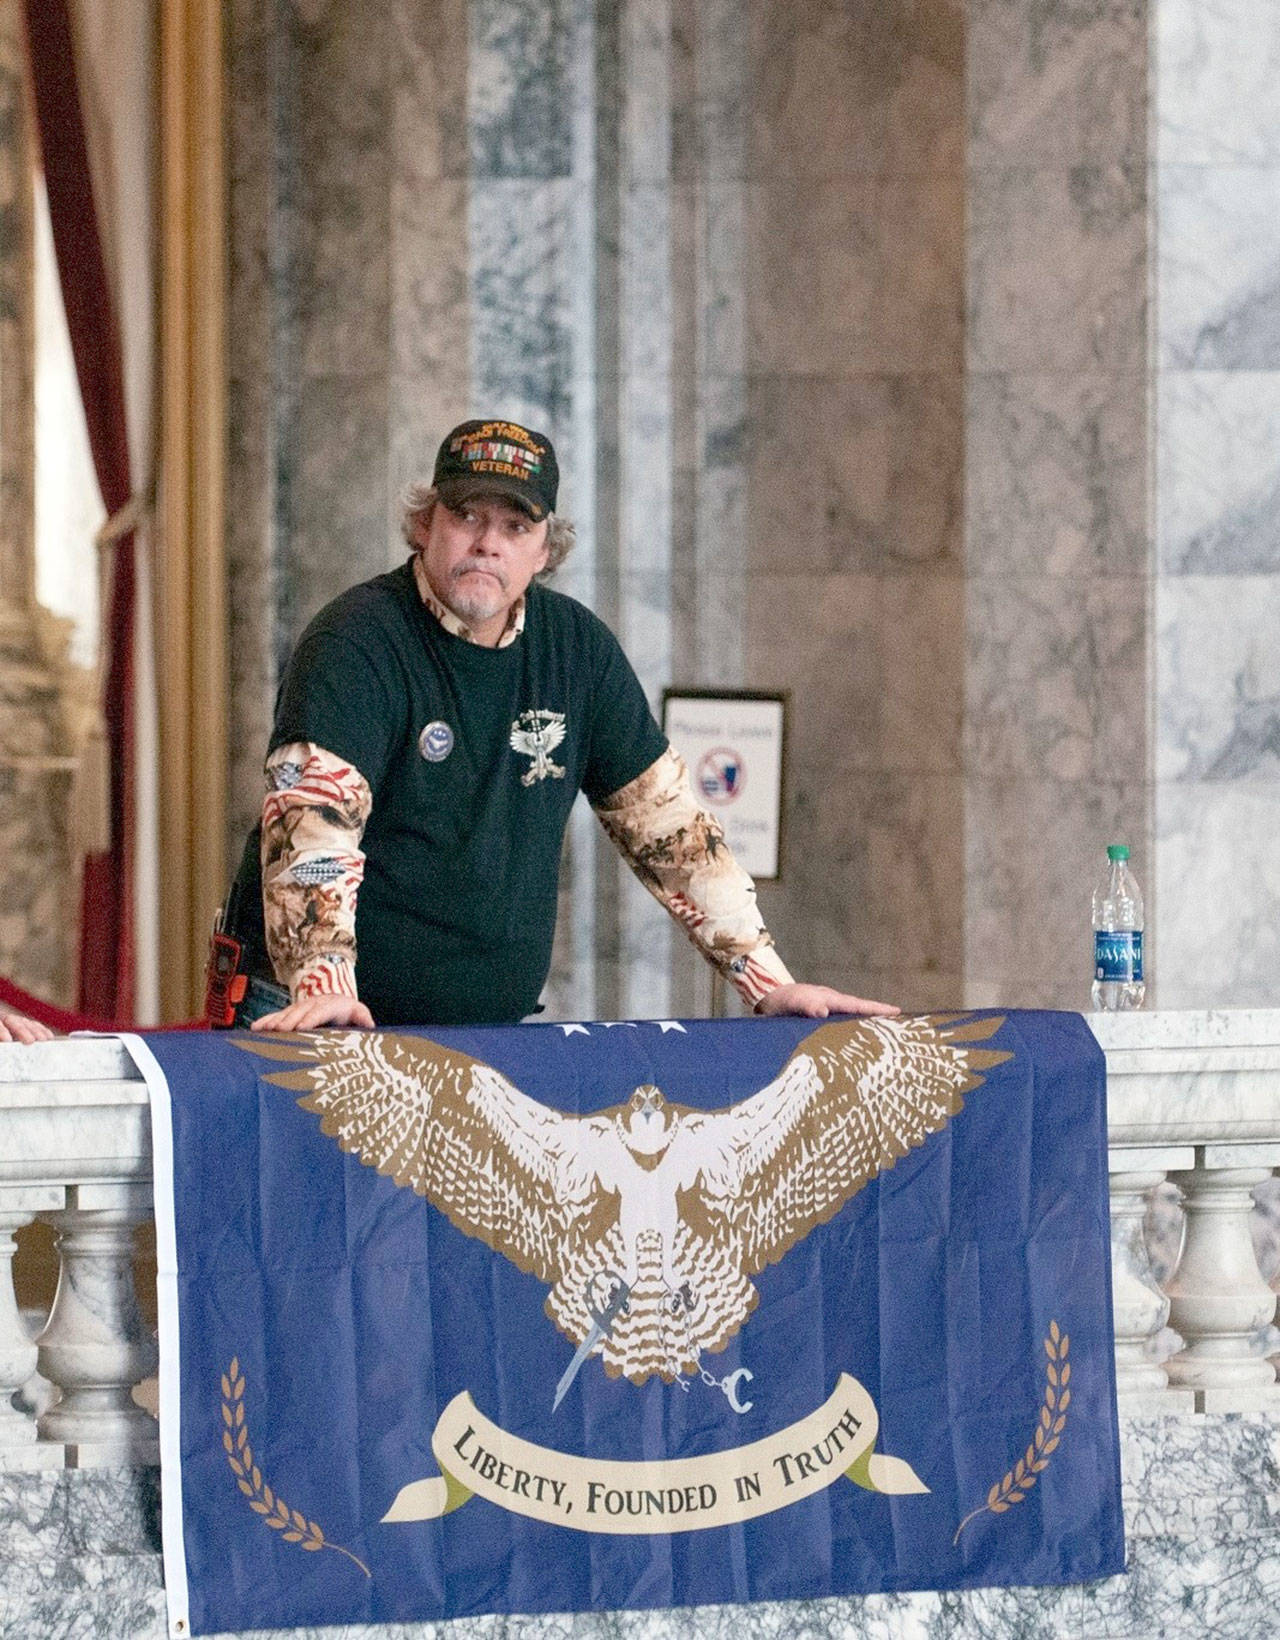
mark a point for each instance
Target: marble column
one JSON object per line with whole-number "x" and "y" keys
{"x": 855, "y": 354}
{"x": 1216, "y": 193}
{"x": 459, "y": 208}
{"x": 1056, "y": 541}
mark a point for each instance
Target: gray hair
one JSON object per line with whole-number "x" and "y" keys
{"x": 419, "y": 502}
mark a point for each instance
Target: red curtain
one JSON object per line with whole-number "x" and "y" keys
{"x": 63, "y": 1019}
{"x": 106, "y": 925}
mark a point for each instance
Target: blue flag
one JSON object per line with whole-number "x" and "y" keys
{"x": 569, "y": 1317}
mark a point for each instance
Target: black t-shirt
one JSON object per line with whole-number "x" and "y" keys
{"x": 474, "y": 757}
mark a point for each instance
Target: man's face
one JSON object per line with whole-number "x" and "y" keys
{"x": 479, "y": 557}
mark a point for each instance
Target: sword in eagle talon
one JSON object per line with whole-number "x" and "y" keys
{"x": 601, "y": 1326}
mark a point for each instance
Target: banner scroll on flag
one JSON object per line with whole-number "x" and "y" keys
{"x": 603, "y": 1316}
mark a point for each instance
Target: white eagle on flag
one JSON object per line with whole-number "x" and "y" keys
{"x": 684, "y": 1206}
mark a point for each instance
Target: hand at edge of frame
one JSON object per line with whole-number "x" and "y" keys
{"x": 16, "y": 1027}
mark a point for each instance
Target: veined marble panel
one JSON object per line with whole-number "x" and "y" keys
{"x": 253, "y": 60}
{"x": 922, "y": 672}
{"x": 333, "y": 210}
{"x": 1218, "y": 665}
{"x": 645, "y": 295}
{"x": 251, "y": 570}
{"x": 521, "y": 293}
{"x": 335, "y": 530}
{"x": 428, "y": 345}
{"x": 1188, "y": 1584}
{"x": 718, "y": 463}
{"x": 721, "y": 272}
{"x": 863, "y": 273}
{"x": 862, "y": 474}
{"x": 645, "y": 107}
{"x": 1218, "y": 266}
{"x": 1218, "y": 72}
{"x": 1056, "y": 474}
{"x": 833, "y": 676}
{"x": 1218, "y": 935}
{"x": 429, "y": 364}
{"x": 1056, "y": 673}
{"x": 877, "y": 685}
{"x": 343, "y": 268}
{"x": 640, "y": 346}
{"x": 709, "y": 135}
{"x": 253, "y": 251}
{"x": 428, "y": 87}
{"x": 430, "y": 318}
{"x": 837, "y": 88}
{"x": 519, "y": 76}
{"x": 872, "y": 880}
{"x": 1218, "y": 471}
{"x": 1057, "y": 268}
{"x": 1034, "y": 847}
{"x": 1057, "y": 84}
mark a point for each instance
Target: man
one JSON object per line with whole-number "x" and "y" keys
{"x": 433, "y": 728}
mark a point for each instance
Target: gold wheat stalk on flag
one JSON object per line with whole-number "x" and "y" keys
{"x": 292, "y": 1524}
{"x": 1053, "y": 1417}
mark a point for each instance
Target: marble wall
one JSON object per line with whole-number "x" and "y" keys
{"x": 855, "y": 292}
{"x": 840, "y": 317}
{"x": 1056, "y": 537}
{"x": 616, "y": 222}
{"x": 1216, "y": 370}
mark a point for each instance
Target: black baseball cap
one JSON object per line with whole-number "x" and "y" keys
{"x": 498, "y": 458}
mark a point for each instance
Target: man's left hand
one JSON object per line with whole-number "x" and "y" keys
{"x": 819, "y": 1001}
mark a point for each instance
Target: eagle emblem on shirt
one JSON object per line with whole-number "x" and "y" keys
{"x": 536, "y": 734}
{"x": 683, "y": 1206}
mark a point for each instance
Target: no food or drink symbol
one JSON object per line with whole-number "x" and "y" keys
{"x": 721, "y": 775}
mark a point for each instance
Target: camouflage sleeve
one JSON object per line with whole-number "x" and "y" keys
{"x": 679, "y": 853}
{"x": 313, "y": 818}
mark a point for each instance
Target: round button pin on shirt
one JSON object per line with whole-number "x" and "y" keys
{"x": 436, "y": 741}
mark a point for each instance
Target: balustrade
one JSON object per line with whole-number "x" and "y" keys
{"x": 1194, "y": 1099}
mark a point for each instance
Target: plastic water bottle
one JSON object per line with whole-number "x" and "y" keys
{"x": 1117, "y": 936}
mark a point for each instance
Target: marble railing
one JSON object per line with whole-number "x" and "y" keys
{"x": 1194, "y": 1132}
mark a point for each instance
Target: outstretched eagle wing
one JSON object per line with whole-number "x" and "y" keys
{"x": 854, "y": 1096}
{"x": 502, "y": 1167}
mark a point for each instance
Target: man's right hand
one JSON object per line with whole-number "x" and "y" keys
{"x": 312, "y": 1013}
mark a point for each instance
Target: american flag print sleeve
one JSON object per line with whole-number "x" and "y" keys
{"x": 678, "y": 851}
{"x": 313, "y": 819}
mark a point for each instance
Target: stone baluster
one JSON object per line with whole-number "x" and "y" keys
{"x": 96, "y": 1347}
{"x": 19, "y": 1446}
{"x": 1219, "y": 1300}
{"x": 1140, "y": 1308}
{"x": 1271, "y": 1210}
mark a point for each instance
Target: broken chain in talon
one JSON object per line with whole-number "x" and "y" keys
{"x": 729, "y": 1385}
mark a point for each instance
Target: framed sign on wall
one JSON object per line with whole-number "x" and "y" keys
{"x": 734, "y": 742}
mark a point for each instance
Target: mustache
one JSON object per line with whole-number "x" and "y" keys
{"x": 482, "y": 564}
